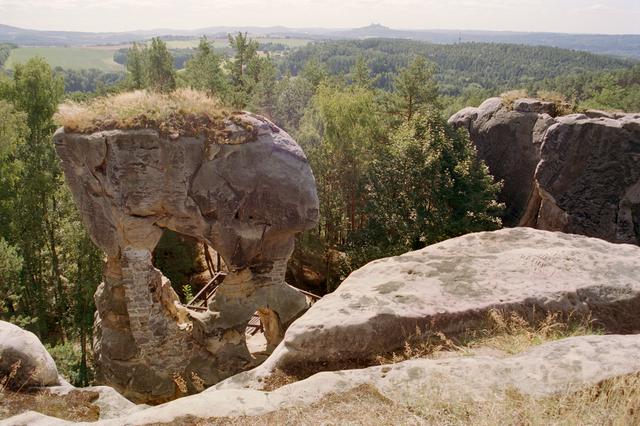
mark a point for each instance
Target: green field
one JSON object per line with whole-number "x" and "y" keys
{"x": 101, "y": 57}
{"x": 68, "y": 57}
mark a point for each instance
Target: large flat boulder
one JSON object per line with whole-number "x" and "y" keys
{"x": 452, "y": 285}
{"x": 22, "y": 352}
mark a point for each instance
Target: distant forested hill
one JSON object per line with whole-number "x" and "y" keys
{"x": 627, "y": 45}
{"x": 489, "y": 65}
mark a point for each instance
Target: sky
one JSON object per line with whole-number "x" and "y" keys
{"x": 569, "y": 16}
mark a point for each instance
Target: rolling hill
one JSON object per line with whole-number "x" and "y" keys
{"x": 624, "y": 45}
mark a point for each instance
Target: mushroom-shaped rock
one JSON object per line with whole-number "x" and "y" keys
{"x": 236, "y": 182}
{"x": 23, "y": 359}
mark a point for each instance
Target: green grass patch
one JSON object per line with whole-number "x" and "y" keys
{"x": 74, "y": 58}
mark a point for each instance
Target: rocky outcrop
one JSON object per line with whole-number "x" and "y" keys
{"x": 578, "y": 173}
{"x": 24, "y": 361}
{"x": 451, "y": 286}
{"x": 558, "y": 367}
{"x": 246, "y": 195}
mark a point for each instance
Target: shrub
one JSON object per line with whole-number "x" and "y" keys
{"x": 562, "y": 105}
{"x": 68, "y": 358}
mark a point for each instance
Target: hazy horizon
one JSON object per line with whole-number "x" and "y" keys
{"x": 558, "y": 16}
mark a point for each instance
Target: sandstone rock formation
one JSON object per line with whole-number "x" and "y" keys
{"x": 451, "y": 286}
{"x": 34, "y": 367}
{"x": 246, "y": 195}
{"x": 578, "y": 173}
{"x": 561, "y": 366}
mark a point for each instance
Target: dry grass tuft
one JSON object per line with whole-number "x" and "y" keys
{"x": 184, "y": 112}
{"x": 562, "y": 105}
{"x": 361, "y": 406}
{"x": 198, "y": 382}
{"x": 509, "y": 98}
{"x": 7, "y": 380}
{"x": 278, "y": 379}
{"x": 507, "y": 333}
{"x": 301, "y": 371}
{"x": 77, "y": 405}
{"x": 499, "y": 332}
{"x": 613, "y": 402}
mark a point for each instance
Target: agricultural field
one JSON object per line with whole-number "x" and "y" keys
{"x": 101, "y": 57}
{"x": 74, "y": 58}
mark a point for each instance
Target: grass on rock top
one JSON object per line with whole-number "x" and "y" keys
{"x": 184, "y": 112}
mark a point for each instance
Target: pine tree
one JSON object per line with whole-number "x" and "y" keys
{"x": 294, "y": 95}
{"x": 246, "y": 51}
{"x": 136, "y": 66}
{"x": 361, "y": 74}
{"x": 415, "y": 89}
{"x": 160, "y": 73}
{"x": 203, "y": 71}
{"x": 314, "y": 72}
{"x": 265, "y": 86}
{"x": 36, "y": 219}
{"x": 339, "y": 134}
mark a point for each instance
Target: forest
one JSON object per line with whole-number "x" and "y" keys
{"x": 371, "y": 115}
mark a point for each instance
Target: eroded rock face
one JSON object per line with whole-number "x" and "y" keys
{"x": 588, "y": 178}
{"x": 578, "y": 173}
{"x": 247, "y": 197}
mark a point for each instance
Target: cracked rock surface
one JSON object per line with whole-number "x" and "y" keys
{"x": 247, "y": 199}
